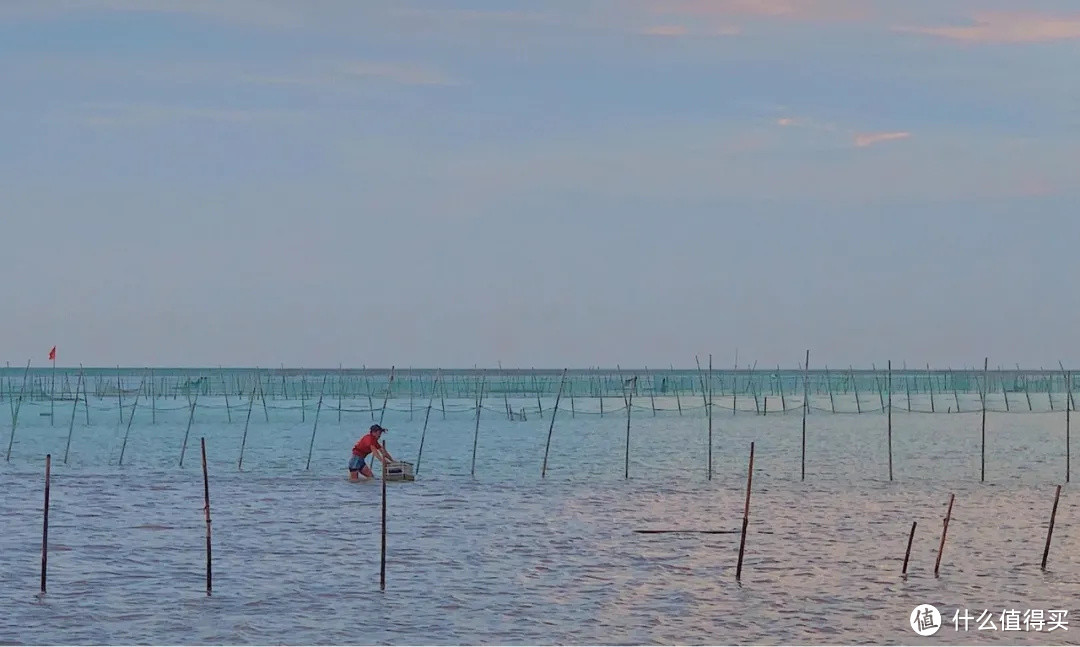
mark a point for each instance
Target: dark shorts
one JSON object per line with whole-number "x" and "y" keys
{"x": 356, "y": 463}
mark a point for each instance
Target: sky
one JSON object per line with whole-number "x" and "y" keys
{"x": 553, "y": 184}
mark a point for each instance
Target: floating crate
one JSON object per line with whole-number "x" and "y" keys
{"x": 399, "y": 471}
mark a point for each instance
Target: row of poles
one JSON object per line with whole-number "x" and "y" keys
{"x": 628, "y": 395}
{"x": 599, "y": 384}
{"x": 206, "y": 514}
{"x": 382, "y": 557}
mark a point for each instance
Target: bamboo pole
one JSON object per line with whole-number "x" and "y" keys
{"x": 930, "y": 381}
{"x": 551, "y": 428}
{"x": 780, "y": 387}
{"x": 341, "y": 387}
{"x": 315, "y": 427}
{"x": 153, "y": 399}
{"x": 206, "y": 510}
{"x": 982, "y": 475}
{"x": 71, "y": 424}
{"x": 225, "y": 390}
{"x": 382, "y": 552}
{"x": 890, "y": 421}
{"x": 746, "y": 515}
{"x": 805, "y": 408}
{"x": 944, "y": 531}
{"x": 476, "y": 433}
{"x": 539, "y": 407}
{"x": 86, "y": 399}
{"x": 629, "y": 405}
{"x": 243, "y": 441}
{"x": 130, "y": 419}
{"x": 855, "y": 386}
{"x": 678, "y": 401}
{"x": 652, "y": 390}
{"x": 426, "y": 418}
{"x": 45, "y": 523}
{"x": 907, "y": 553}
{"x": 828, "y": 382}
{"x": 191, "y": 418}
{"x": 1068, "y": 417}
{"x": 119, "y": 395}
{"x": 15, "y": 414}
{"x": 710, "y": 415}
{"x": 1050, "y": 530}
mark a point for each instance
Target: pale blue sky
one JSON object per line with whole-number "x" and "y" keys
{"x": 549, "y": 184}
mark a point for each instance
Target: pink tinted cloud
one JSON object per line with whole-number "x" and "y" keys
{"x": 1000, "y": 27}
{"x": 862, "y": 140}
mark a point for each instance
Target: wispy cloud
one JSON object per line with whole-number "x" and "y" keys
{"x": 862, "y": 140}
{"x": 858, "y": 139}
{"x": 344, "y": 73}
{"x": 1002, "y": 27}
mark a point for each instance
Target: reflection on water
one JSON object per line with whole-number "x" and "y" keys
{"x": 509, "y": 558}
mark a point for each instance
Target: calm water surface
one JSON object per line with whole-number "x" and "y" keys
{"x": 507, "y": 557}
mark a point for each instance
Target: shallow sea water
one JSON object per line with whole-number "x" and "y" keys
{"x": 505, "y": 557}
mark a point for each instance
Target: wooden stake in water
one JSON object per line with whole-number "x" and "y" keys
{"x": 243, "y": 441}
{"x": 476, "y": 433}
{"x": 828, "y": 382}
{"x": 890, "y": 419}
{"x": 15, "y": 413}
{"x": 1050, "y": 530}
{"x": 678, "y": 401}
{"x": 427, "y": 416}
{"x": 45, "y": 523}
{"x": 382, "y": 553}
{"x": 225, "y": 390}
{"x": 340, "y": 388}
{"x": 746, "y": 514}
{"x": 536, "y": 386}
{"x": 1068, "y": 416}
{"x": 130, "y": 419}
{"x": 191, "y": 418}
{"x": 71, "y": 425}
{"x": 153, "y": 400}
{"x": 652, "y": 391}
{"x": 206, "y": 511}
{"x": 930, "y": 381}
{"x": 907, "y": 553}
{"x": 805, "y": 408}
{"x": 982, "y": 474}
{"x": 119, "y": 395}
{"x": 944, "y": 531}
{"x": 551, "y": 428}
{"x": 315, "y": 427}
{"x": 710, "y": 416}
{"x": 629, "y": 406}
{"x": 262, "y": 396}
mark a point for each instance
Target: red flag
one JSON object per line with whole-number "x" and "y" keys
{"x": 52, "y": 353}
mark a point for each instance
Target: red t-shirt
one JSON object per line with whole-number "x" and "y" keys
{"x": 364, "y": 447}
